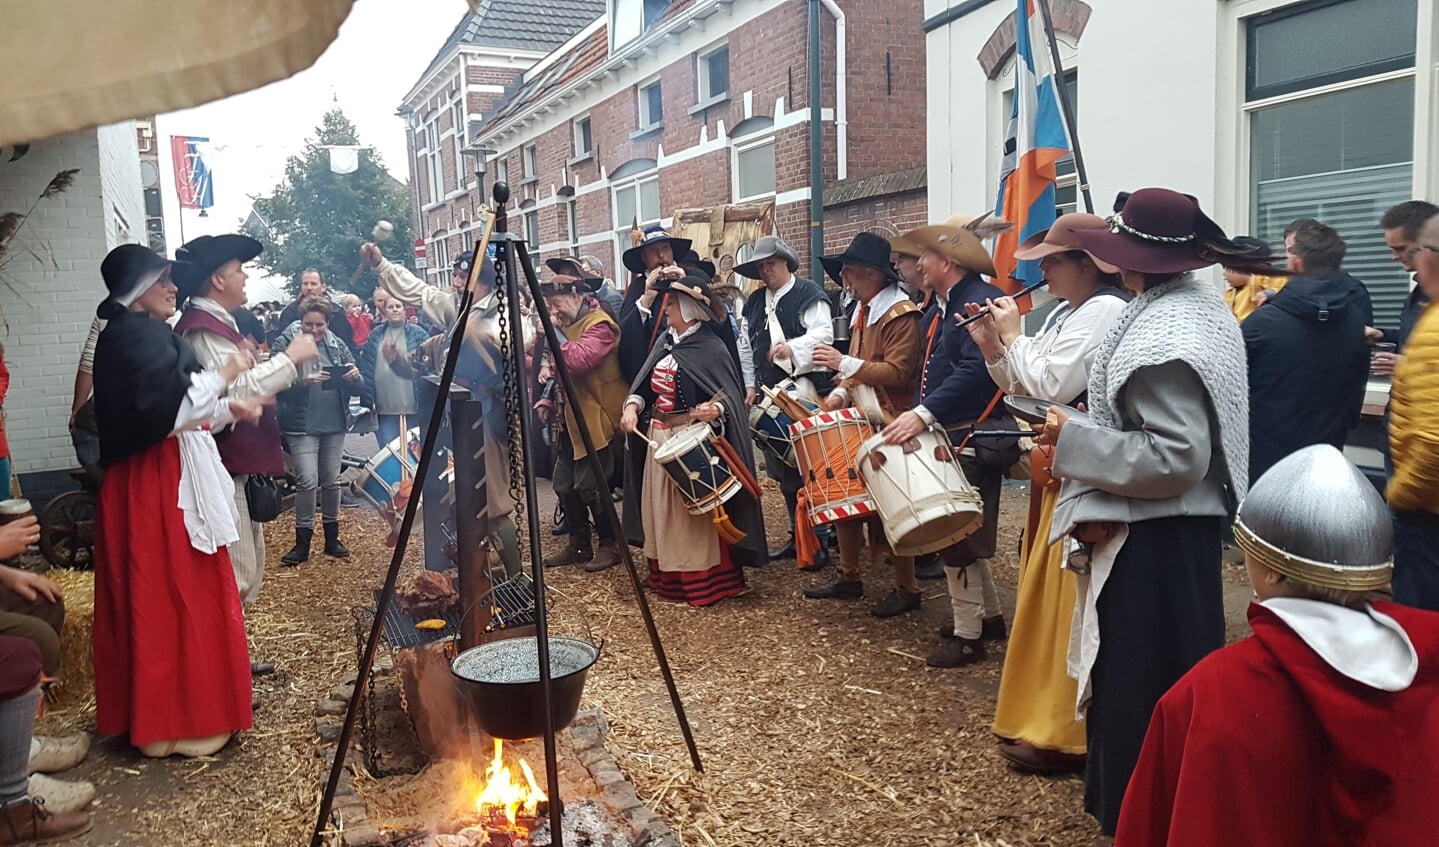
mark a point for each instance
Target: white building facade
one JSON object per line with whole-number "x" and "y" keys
{"x": 51, "y": 278}
{"x": 1266, "y": 110}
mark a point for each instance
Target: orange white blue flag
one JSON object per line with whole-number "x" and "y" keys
{"x": 1038, "y": 138}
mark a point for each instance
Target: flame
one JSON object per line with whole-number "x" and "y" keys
{"x": 502, "y": 792}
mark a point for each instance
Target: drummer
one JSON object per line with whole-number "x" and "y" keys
{"x": 956, "y": 392}
{"x": 785, "y": 324}
{"x": 688, "y": 378}
{"x": 885, "y": 355}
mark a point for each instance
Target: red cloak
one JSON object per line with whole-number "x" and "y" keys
{"x": 1264, "y": 743}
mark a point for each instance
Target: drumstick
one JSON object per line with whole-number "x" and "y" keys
{"x": 644, "y": 438}
{"x": 982, "y": 313}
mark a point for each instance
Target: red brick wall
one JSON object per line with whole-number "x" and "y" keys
{"x": 886, "y": 125}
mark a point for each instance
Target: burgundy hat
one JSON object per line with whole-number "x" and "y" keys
{"x": 1159, "y": 232}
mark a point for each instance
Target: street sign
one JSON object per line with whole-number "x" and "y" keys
{"x": 421, "y": 262}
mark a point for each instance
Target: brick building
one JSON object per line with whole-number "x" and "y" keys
{"x": 482, "y": 58}
{"x": 656, "y": 106}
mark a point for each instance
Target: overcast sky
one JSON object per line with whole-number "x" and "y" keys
{"x": 379, "y": 55}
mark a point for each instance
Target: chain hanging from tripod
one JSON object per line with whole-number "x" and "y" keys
{"x": 512, "y": 372}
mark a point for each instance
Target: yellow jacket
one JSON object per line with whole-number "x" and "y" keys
{"x": 1414, "y": 420}
{"x": 1241, "y": 300}
{"x": 602, "y": 390}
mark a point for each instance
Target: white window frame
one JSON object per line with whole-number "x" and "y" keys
{"x": 767, "y": 139}
{"x": 582, "y": 152}
{"x": 530, "y": 161}
{"x": 502, "y": 169}
{"x": 644, "y": 120}
{"x": 457, "y": 117}
{"x": 434, "y": 166}
{"x": 572, "y": 224}
{"x": 705, "y": 96}
{"x": 530, "y": 216}
{"x": 622, "y": 228}
{"x": 441, "y": 242}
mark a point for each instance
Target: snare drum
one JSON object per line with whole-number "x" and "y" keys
{"x": 385, "y": 471}
{"x": 701, "y": 474}
{"x": 826, "y": 446}
{"x": 922, "y": 496}
{"x": 770, "y": 424}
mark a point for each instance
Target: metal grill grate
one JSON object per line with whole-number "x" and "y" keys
{"x": 512, "y": 605}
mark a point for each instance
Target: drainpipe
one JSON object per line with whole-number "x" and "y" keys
{"x": 816, "y": 154}
{"x": 841, "y": 123}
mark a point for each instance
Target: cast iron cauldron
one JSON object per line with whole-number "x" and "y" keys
{"x": 502, "y": 681}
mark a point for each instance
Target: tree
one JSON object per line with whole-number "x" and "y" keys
{"x": 315, "y": 218}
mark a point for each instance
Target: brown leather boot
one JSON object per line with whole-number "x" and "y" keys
{"x": 27, "y": 822}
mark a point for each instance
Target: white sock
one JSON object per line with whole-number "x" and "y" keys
{"x": 966, "y": 598}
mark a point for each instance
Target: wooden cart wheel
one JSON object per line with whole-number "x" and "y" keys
{"x": 67, "y": 531}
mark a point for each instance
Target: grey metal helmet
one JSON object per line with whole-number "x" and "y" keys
{"x": 1313, "y": 517}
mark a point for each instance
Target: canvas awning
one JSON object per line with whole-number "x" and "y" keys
{"x": 83, "y": 63}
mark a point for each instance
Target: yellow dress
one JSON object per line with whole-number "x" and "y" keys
{"x": 1036, "y": 693}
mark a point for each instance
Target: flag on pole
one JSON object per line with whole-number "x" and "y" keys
{"x": 193, "y": 182}
{"x": 1038, "y": 138}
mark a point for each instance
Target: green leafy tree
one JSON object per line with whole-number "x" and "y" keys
{"x": 315, "y": 218}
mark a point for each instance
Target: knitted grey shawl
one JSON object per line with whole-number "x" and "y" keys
{"x": 1184, "y": 320}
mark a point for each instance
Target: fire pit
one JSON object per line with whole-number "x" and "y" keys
{"x": 479, "y": 790}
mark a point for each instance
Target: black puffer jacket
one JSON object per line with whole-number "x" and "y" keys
{"x": 1308, "y": 364}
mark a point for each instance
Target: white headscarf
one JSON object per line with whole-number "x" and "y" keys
{"x": 690, "y": 309}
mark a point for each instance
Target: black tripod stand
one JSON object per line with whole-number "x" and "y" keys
{"x": 511, "y": 259}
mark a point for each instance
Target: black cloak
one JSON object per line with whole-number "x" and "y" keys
{"x": 142, "y": 373}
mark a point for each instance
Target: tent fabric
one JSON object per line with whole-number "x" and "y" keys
{"x": 104, "y": 61}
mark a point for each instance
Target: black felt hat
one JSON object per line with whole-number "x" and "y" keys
{"x": 197, "y": 260}
{"x": 124, "y": 269}
{"x": 866, "y": 250}
{"x": 653, "y": 235}
{"x": 693, "y": 285}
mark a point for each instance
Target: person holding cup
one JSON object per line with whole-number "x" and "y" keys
{"x": 312, "y": 416}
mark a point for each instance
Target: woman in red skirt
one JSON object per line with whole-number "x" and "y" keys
{"x": 171, "y": 665}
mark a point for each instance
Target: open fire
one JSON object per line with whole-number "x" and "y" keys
{"x": 510, "y": 809}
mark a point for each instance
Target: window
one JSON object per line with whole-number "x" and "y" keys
{"x": 531, "y": 162}
{"x": 433, "y": 167}
{"x": 441, "y": 242}
{"x": 1323, "y": 142}
{"x": 754, "y": 170}
{"x": 636, "y": 203}
{"x": 458, "y": 119}
{"x": 572, "y": 225}
{"x": 632, "y": 18}
{"x": 532, "y": 229}
{"x": 584, "y": 140}
{"x": 502, "y": 169}
{"x": 713, "y": 73}
{"x": 651, "y": 107}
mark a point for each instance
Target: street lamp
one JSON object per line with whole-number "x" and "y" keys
{"x": 479, "y": 154}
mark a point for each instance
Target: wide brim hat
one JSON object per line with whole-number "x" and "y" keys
{"x": 768, "y": 247}
{"x": 125, "y": 269}
{"x": 561, "y": 284}
{"x": 1063, "y": 237}
{"x": 957, "y": 240}
{"x": 197, "y": 260}
{"x": 571, "y": 266}
{"x": 1159, "y": 232}
{"x": 693, "y": 285}
{"x": 905, "y": 246}
{"x": 1315, "y": 518}
{"x": 654, "y": 235}
{"x": 867, "y": 250}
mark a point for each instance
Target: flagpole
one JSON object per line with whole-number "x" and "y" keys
{"x": 1064, "y": 105}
